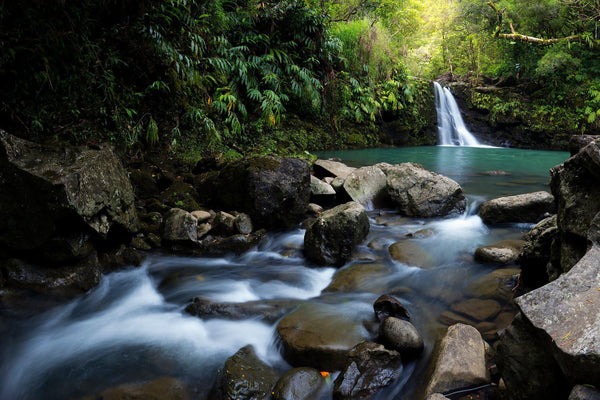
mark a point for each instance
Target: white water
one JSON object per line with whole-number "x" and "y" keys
{"x": 451, "y": 127}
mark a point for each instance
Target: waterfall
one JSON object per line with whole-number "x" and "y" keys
{"x": 451, "y": 127}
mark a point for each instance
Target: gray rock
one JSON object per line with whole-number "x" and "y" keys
{"x": 237, "y": 244}
{"x": 590, "y": 158}
{"x": 331, "y": 239}
{"x": 244, "y": 377}
{"x": 314, "y": 209}
{"x": 528, "y": 207}
{"x": 501, "y": 253}
{"x": 581, "y": 392}
{"x": 417, "y": 192}
{"x": 370, "y": 367}
{"x": 180, "y": 227}
{"x": 336, "y": 169}
{"x": 320, "y": 188}
{"x": 243, "y": 224}
{"x": 201, "y": 216}
{"x": 460, "y": 362}
{"x": 338, "y": 185}
{"x": 366, "y": 186}
{"x": 300, "y": 384}
{"x": 203, "y": 230}
{"x": 402, "y": 336}
{"x": 594, "y": 231}
{"x": 389, "y": 306}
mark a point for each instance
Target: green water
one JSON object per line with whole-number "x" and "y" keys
{"x": 525, "y": 170}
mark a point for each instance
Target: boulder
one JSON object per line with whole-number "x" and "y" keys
{"x": 224, "y": 224}
{"x": 501, "y": 253}
{"x": 581, "y": 392}
{"x": 335, "y": 169}
{"x": 46, "y": 192}
{"x": 244, "y": 377}
{"x": 578, "y": 142}
{"x": 460, "y": 362}
{"x": 202, "y": 216}
{"x": 157, "y": 389}
{"x": 366, "y": 186}
{"x": 300, "y": 384}
{"x": 389, "y": 306}
{"x": 370, "y": 367}
{"x": 331, "y": 239}
{"x": 401, "y": 336}
{"x": 180, "y": 227}
{"x": 359, "y": 277}
{"x": 266, "y": 310}
{"x": 321, "y": 191}
{"x": 319, "y": 336}
{"x": 535, "y": 254}
{"x": 273, "y": 191}
{"x": 528, "y": 207}
{"x": 411, "y": 253}
{"x": 417, "y": 192}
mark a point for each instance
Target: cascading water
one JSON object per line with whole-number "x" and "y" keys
{"x": 451, "y": 127}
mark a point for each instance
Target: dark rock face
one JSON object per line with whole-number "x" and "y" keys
{"x": 273, "y": 191}
{"x": 46, "y": 192}
{"x": 244, "y": 377}
{"x": 331, "y": 239}
{"x": 535, "y": 255}
{"x": 581, "y": 392}
{"x": 389, "y": 306}
{"x": 578, "y": 142}
{"x": 158, "y": 389}
{"x": 370, "y": 367}
{"x": 300, "y": 384}
{"x": 529, "y": 207}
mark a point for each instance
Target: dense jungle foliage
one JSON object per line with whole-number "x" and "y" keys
{"x": 250, "y": 76}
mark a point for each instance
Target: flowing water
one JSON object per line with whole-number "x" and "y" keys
{"x": 132, "y": 327}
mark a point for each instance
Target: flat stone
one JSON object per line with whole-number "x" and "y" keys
{"x": 363, "y": 277}
{"x": 478, "y": 310}
{"x": 336, "y": 169}
{"x": 320, "y": 188}
{"x": 504, "y": 252}
{"x": 411, "y": 253}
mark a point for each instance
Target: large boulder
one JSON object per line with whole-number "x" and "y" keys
{"x": 578, "y": 142}
{"x": 336, "y": 169}
{"x": 535, "y": 254}
{"x": 417, "y": 192}
{"x": 528, "y": 207}
{"x": 370, "y": 367}
{"x": 273, "y": 191}
{"x": 244, "y": 377}
{"x": 331, "y": 239}
{"x": 460, "y": 361}
{"x": 46, "y": 192}
{"x": 366, "y": 186}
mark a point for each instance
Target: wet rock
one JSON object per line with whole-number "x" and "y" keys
{"x": 417, "y": 192}
{"x": 243, "y": 224}
{"x": 411, "y": 253}
{"x": 501, "y": 253}
{"x": 362, "y": 277}
{"x": 273, "y": 191}
{"x": 267, "y": 310}
{"x": 450, "y": 318}
{"x": 319, "y": 336}
{"x": 535, "y": 255}
{"x": 236, "y": 244}
{"x": 495, "y": 173}
{"x": 402, "y": 336}
{"x": 366, "y": 186}
{"x": 581, "y": 392}
{"x": 157, "y": 389}
{"x": 389, "y": 306}
{"x": 590, "y": 158}
{"x": 202, "y": 216}
{"x": 498, "y": 285}
{"x": 578, "y": 142}
{"x": 47, "y": 192}
{"x": 370, "y": 367}
{"x": 300, "y": 384}
{"x": 460, "y": 362}
{"x": 244, "y": 377}
{"x": 528, "y": 207}
{"x": 331, "y": 239}
{"x": 68, "y": 248}
{"x": 336, "y": 169}
{"x": 477, "y": 309}
{"x": 180, "y": 227}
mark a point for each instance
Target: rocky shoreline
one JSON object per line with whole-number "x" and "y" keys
{"x": 72, "y": 214}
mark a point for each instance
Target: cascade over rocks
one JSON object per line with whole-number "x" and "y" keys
{"x": 528, "y": 207}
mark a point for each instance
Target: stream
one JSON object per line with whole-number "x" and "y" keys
{"x": 132, "y": 326}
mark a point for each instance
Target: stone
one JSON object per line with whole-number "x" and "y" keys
{"x": 157, "y": 389}
{"x": 436, "y": 396}
{"x": 224, "y": 224}
{"x": 236, "y": 244}
{"x": 181, "y": 195}
{"x": 273, "y": 191}
{"x": 320, "y": 188}
{"x": 401, "y": 336}
{"x": 411, "y": 253}
{"x": 581, "y": 392}
{"x": 243, "y": 224}
{"x": 578, "y": 142}
{"x": 201, "y": 216}
{"x": 478, "y": 309}
{"x": 266, "y": 310}
{"x": 180, "y": 227}
{"x": 594, "y": 231}
{"x": 203, "y": 230}
{"x": 244, "y": 376}
{"x": 528, "y": 207}
{"x": 450, "y": 318}
{"x": 535, "y": 254}
{"x": 319, "y": 336}
{"x": 389, "y": 306}
{"x": 370, "y": 367}
{"x": 300, "y": 384}
{"x": 359, "y": 277}
{"x": 314, "y": 209}
{"x": 590, "y": 158}
{"x": 338, "y": 185}
{"x": 366, "y": 186}
{"x": 501, "y": 253}
{"x": 417, "y": 192}
{"x": 335, "y": 169}
{"x": 331, "y": 239}
{"x": 460, "y": 362}
{"x": 47, "y": 192}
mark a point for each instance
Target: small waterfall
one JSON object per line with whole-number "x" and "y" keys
{"x": 451, "y": 127}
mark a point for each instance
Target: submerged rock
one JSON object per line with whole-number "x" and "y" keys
{"x": 244, "y": 377}
{"x": 370, "y": 367}
{"x": 411, "y": 253}
{"x": 363, "y": 277}
{"x": 331, "y": 239}
{"x": 157, "y": 389}
{"x": 300, "y": 384}
{"x": 528, "y": 207}
{"x": 478, "y": 309}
